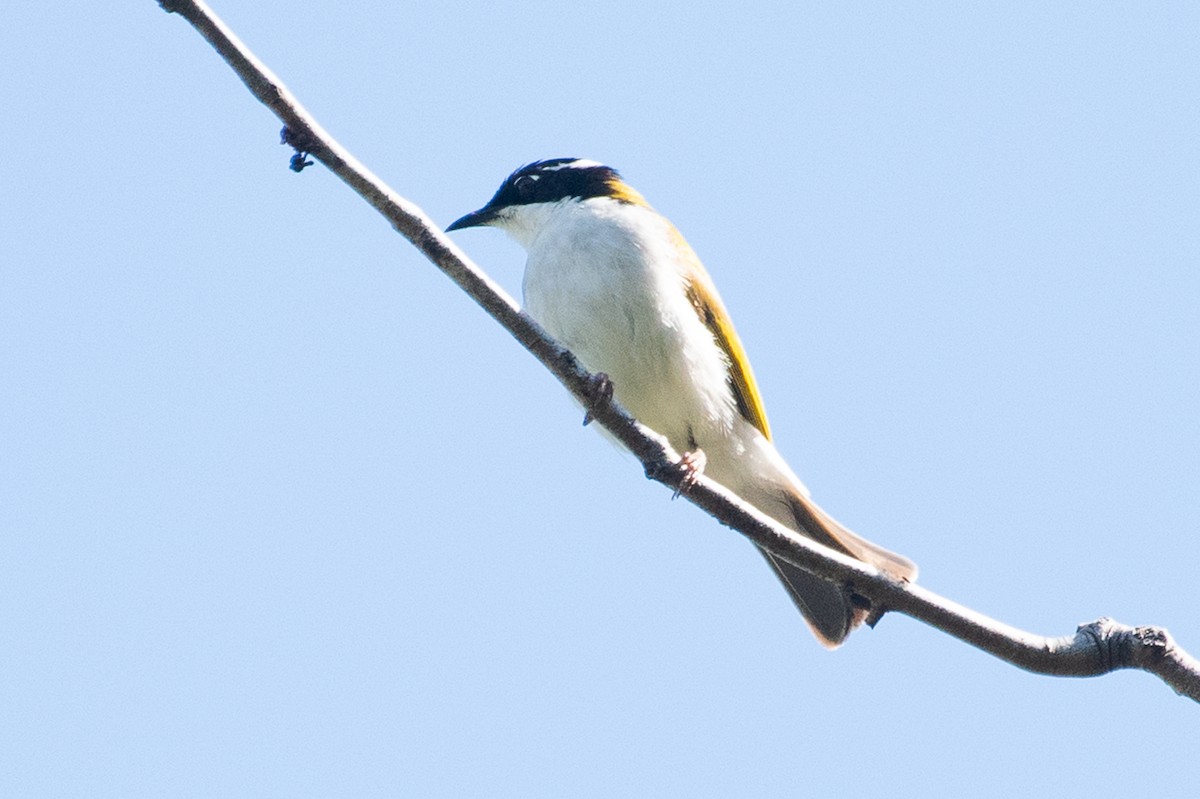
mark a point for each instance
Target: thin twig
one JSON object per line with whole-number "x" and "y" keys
{"x": 1096, "y": 648}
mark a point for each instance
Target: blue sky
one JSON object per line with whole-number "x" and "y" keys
{"x": 283, "y": 514}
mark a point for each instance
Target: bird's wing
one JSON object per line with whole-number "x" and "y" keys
{"x": 704, "y": 298}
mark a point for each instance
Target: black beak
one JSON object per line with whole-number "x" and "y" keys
{"x": 484, "y": 216}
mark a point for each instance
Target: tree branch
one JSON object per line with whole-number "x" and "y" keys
{"x": 1096, "y": 648}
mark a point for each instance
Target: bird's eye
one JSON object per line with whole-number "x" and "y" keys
{"x": 524, "y": 184}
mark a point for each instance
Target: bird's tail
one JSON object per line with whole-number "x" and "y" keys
{"x": 832, "y": 610}
{"x": 760, "y": 476}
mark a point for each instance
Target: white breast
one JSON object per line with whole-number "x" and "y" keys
{"x": 606, "y": 280}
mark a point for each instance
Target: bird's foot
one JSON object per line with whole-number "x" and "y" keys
{"x": 692, "y": 466}
{"x": 598, "y": 394}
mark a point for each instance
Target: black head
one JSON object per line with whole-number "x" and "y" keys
{"x": 550, "y": 181}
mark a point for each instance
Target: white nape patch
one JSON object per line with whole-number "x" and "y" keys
{"x": 578, "y": 163}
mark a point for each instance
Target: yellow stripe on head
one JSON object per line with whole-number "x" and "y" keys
{"x": 622, "y": 192}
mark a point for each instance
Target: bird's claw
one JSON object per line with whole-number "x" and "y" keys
{"x": 692, "y": 466}
{"x": 599, "y": 393}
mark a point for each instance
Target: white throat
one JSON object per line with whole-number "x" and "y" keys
{"x": 526, "y": 222}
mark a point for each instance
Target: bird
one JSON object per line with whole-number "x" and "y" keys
{"x": 616, "y": 283}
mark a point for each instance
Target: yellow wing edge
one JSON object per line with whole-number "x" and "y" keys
{"x": 702, "y": 293}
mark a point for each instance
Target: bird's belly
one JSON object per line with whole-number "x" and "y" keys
{"x": 665, "y": 367}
